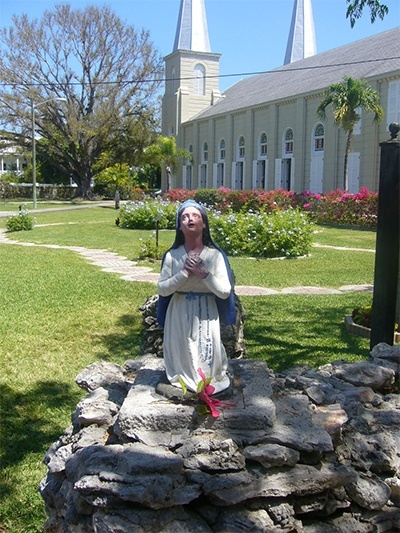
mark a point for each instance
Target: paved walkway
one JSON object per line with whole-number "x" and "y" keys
{"x": 6, "y": 214}
{"x": 130, "y": 271}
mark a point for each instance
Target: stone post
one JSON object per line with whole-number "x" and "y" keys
{"x": 386, "y": 275}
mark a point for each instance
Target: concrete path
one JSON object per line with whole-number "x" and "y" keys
{"x": 106, "y": 203}
{"x": 130, "y": 271}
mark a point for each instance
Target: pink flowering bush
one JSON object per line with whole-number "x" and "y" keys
{"x": 341, "y": 208}
{"x": 178, "y": 195}
{"x": 335, "y": 207}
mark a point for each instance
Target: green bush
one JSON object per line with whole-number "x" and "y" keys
{"x": 145, "y": 214}
{"x": 208, "y": 197}
{"x": 151, "y": 249}
{"x": 20, "y": 222}
{"x": 280, "y": 234}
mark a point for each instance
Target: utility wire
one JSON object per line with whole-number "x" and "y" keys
{"x": 279, "y": 70}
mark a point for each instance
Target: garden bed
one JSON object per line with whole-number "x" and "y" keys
{"x": 362, "y": 331}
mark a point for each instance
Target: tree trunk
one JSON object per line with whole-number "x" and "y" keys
{"x": 168, "y": 171}
{"x": 84, "y": 187}
{"x": 346, "y": 161}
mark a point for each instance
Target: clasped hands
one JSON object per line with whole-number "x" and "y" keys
{"x": 195, "y": 266}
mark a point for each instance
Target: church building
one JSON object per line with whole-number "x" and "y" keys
{"x": 264, "y": 131}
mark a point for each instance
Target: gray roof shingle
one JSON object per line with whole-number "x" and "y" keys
{"x": 366, "y": 58}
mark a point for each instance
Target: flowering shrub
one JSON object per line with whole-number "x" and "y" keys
{"x": 178, "y": 195}
{"x": 20, "y": 222}
{"x": 341, "y": 208}
{"x": 259, "y": 223}
{"x": 145, "y": 215}
{"x": 335, "y": 207}
{"x": 281, "y": 234}
{"x": 136, "y": 194}
{"x": 362, "y": 316}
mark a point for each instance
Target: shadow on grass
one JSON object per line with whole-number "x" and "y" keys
{"x": 32, "y": 419}
{"x": 313, "y": 335}
{"x": 125, "y": 344}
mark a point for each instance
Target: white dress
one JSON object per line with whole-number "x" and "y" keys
{"x": 192, "y": 337}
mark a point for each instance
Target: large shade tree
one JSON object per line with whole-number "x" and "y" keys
{"x": 104, "y": 69}
{"x": 347, "y": 98}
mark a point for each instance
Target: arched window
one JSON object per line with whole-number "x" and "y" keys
{"x": 288, "y": 142}
{"x": 221, "y": 150}
{"x": 262, "y": 145}
{"x": 199, "y": 76}
{"x": 205, "y": 152}
{"x": 240, "y": 148}
{"x": 318, "y": 139}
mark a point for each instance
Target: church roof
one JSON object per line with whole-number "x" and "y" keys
{"x": 366, "y": 58}
{"x": 192, "y": 31}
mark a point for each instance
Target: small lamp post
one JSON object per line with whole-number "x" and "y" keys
{"x": 33, "y": 107}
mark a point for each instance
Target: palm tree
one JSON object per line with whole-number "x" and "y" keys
{"x": 346, "y": 98}
{"x": 165, "y": 152}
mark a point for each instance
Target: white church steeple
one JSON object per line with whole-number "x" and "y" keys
{"x": 192, "y": 30}
{"x": 301, "y": 41}
{"x": 192, "y": 77}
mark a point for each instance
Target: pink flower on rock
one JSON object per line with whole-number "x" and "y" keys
{"x": 204, "y": 392}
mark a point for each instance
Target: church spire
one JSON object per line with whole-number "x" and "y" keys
{"x": 301, "y": 42}
{"x": 192, "y": 30}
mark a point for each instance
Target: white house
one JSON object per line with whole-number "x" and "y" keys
{"x": 12, "y": 158}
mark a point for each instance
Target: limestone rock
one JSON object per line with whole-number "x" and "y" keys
{"x": 101, "y": 374}
{"x": 366, "y": 374}
{"x": 369, "y": 492}
{"x": 385, "y": 351}
{"x": 209, "y": 453}
{"x": 95, "y": 409}
{"x": 270, "y": 455}
{"x": 304, "y": 451}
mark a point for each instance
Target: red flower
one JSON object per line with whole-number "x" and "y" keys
{"x": 204, "y": 391}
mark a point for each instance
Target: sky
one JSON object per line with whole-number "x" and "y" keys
{"x": 250, "y": 35}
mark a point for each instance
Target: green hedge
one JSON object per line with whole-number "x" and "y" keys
{"x": 283, "y": 233}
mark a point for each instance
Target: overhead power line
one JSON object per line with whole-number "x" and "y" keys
{"x": 279, "y": 70}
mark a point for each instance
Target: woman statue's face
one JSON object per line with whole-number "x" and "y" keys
{"x": 191, "y": 222}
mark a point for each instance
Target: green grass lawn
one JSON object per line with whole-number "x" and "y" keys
{"x": 60, "y": 314}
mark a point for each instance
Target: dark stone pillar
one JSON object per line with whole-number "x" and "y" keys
{"x": 387, "y": 243}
